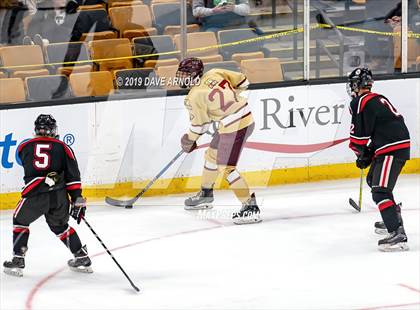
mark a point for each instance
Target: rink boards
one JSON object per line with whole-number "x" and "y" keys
{"x": 301, "y": 135}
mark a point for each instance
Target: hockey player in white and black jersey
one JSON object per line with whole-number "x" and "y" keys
{"x": 381, "y": 140}
{"x": 52, "y": 184}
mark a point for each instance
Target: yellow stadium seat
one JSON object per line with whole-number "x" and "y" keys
{"x": 98, "y": 83}
{"x": 154, "y": 63}
{"x": 91, "y": 7}
{"x": 12, "y": 90}
{"x": 102, "y": 35}
{"x": 132, "y": 21}
{"x": 115, "y": 3}
{"x": 113, "y": 48}
{"x": 263, "y": 70}
{"x": 169, "y": 73}
{"x": 201, "y": 45}
{"x": 126, "y": 3}
{"x": 21, "y": 56}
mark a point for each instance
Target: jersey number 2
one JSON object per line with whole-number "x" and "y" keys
{"x": 42, "y": 159}
{"x": 223, "y": 105}
{"x": 390, "y": 106}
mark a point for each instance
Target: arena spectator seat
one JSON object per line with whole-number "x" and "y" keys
{"x": 201, "y": 40}
{"x": 68, "y": 52}
{"x": 155, "y": 45}
{"x": 91, "y": 7}
{"x": 263, "y": 70}
{"x": 115, "y": 3}
{"x": 93, "y": 25}
{"x": 167, "y": 17}
{"x": 12, "y": 90}
{"x": 43, "y": 88}
{"x": 87, "y": 84}
{"x": 169, "y": 73}
{"x": 226, "y": 65}
{"x": 23, "y": 55}
{"x": 131, "y": 80}
{"x": 112, "y": 48}
{"x": 126, "y": 3}
{"x": 132, "y": 21}
{"x": 239, "y": 52}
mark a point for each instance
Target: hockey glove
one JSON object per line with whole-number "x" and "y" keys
{"x": 78, "y": 209}
{"x": 365, "y": 159}
{"x": 188, "y": 145}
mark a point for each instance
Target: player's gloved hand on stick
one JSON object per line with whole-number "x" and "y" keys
{"x": 78, "y": 209}
{"x": 365, "y": 159}
{"x": 188, "y": 145}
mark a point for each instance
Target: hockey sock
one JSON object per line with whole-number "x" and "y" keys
{"x": 20, "y": 239}
{"x": 209, "y": 175}
{"x": 68, "y": 236}
{"x": 238, "y": 185}
{"x": 390, "y": 218}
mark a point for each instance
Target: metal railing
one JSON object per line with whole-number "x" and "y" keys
{"x": 319, "y": 44}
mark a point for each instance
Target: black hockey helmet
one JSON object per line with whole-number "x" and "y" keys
{"x": 359, "y": 78}
{"x": 46, "y": 125}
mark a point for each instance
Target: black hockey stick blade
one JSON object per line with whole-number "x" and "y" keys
{"x": 120, "y": 203}
{"x": 128, "y": 204}
{"x": 354, "y": 205}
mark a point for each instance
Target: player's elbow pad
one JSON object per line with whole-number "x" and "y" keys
{"x": 244, "y": 84}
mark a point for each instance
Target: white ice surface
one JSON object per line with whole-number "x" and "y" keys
{"x": 313, "y": 251}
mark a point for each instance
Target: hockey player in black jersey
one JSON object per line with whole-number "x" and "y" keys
{"x": 381, "y": 140}
{"x": 52, "y": 184}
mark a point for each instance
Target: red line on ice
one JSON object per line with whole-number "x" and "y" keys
{"x": 41, "y": 283}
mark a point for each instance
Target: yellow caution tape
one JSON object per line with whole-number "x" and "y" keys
{"x": 216, "y": 46}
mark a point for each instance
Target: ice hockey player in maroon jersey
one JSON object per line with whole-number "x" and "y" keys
{"x": 52, "y": 184}
{"x": 381, "y": 140}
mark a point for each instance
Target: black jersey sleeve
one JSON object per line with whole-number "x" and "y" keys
{"x": 72, "y": 175}
{"x": 362, "y": 122}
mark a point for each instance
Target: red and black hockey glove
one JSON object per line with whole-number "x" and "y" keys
{"x": 364, "y": 159}
{"x": 78, "y": 209}
{"x": 188, "y": 145}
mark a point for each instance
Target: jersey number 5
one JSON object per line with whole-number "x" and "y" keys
{"x": 42, "y": 159}
{"x": 223, "y": 105}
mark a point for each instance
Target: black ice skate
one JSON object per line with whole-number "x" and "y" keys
{"x": 200, "y": 201}
{"x": 81, "y": 261}
{"x": 249, "y": 213}
{"x": 15, "y": 266}
{"x": 380, "y": 227}
{"x": 395, "y": 241}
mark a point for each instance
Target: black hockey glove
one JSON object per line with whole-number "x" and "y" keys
{"x": 188, "y": 145}
{"x": 365, "y": 158}
{"x": 78, "y": 209}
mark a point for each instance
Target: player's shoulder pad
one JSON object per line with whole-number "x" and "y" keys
{"x": 364, "y": 100}
{"x": 67, "y": 149}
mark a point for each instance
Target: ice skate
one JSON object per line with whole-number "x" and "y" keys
{"x": 15, "y": 266}
{"x": 81, "y": 261}
{"x": 200, "y": 201}
{"x": 395, "y": 241}
{"x": 249, "y": 213}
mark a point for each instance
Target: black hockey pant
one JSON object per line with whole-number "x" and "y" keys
{"x": 55, "y": 207}
{"x": 382, "y": 177}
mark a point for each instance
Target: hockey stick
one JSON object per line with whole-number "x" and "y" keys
{"x": 358, "y": 207}
{"x": 129, "y": 203}
{"x": 112, "y": 256}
